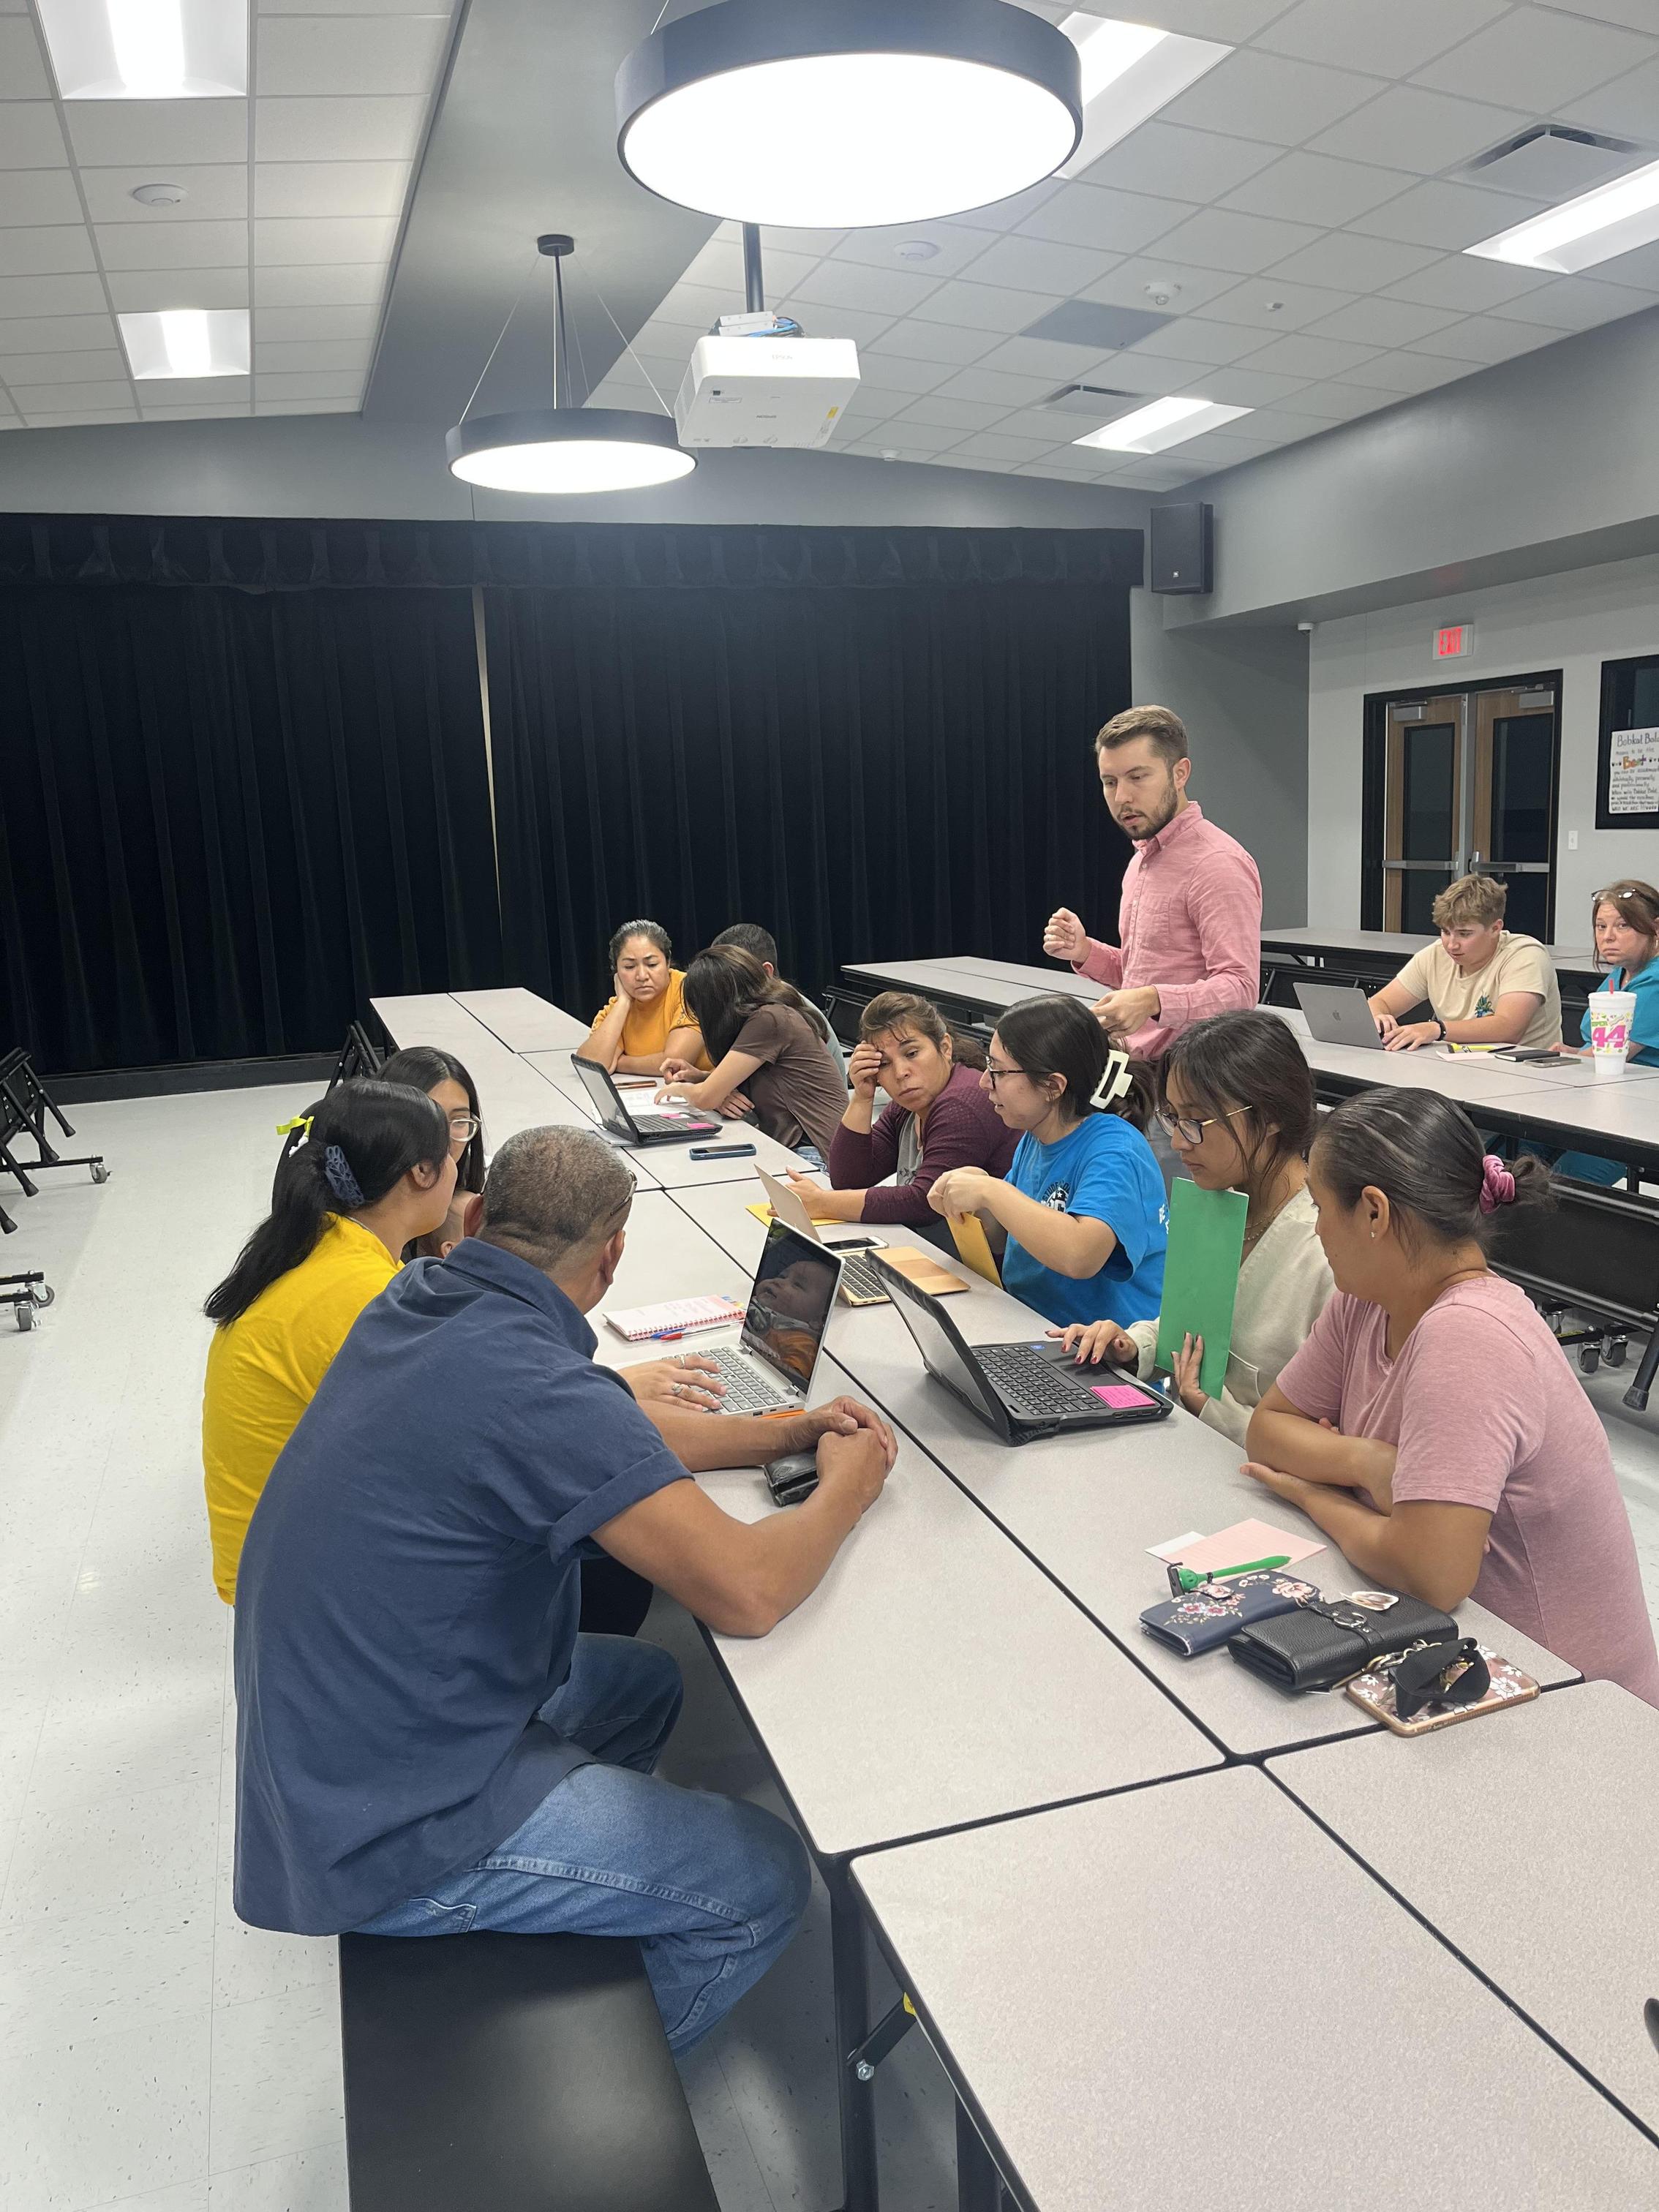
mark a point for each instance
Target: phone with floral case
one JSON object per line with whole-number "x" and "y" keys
{"x": 1375, "y": 1691}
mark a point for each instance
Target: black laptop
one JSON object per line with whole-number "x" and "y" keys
{"x": 632, "y": 1128}
{"x": 1021, "y": 1390}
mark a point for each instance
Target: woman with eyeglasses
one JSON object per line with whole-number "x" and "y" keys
{"x": 1239, "y": 1112}
{"x": 1082, "y": 1208}
{"x": 445, "y": 1079}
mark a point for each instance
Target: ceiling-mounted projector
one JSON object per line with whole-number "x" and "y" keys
{"x": 756, "y": 381}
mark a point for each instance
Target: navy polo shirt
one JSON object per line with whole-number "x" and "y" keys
{"x": 409, "y": 1592}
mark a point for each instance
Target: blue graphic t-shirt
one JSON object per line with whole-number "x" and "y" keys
{"x": 1104, "y": 1169}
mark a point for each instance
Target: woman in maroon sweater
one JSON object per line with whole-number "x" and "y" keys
{"x": 940, "y": 1118}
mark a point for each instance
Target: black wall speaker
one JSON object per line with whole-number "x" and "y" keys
{"x": 1183, "y": 548}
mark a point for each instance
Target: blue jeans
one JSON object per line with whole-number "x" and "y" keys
{"x": 714, "y": 1888}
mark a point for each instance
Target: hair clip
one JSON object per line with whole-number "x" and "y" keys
{"x": 300, "y": 1122}
{"x": 1115, "y": 1081}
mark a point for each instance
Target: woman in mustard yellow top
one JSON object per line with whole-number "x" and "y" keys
{"x": 646, "y": 1022}
{"x": 373, "y": 1169}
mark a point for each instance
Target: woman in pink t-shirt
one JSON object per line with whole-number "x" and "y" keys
{"x": 1431, "y": 1423}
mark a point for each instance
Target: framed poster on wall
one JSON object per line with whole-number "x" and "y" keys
{"x": 1627, "y": 747}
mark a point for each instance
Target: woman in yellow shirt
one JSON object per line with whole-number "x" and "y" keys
{"x": 646, "y": 1023}
{"x": 373, "y": 1169}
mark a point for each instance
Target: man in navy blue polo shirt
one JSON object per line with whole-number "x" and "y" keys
{"x": 424, "y": 1743}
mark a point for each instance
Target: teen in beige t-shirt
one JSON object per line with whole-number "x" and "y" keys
{"x": 1519, "y": 964}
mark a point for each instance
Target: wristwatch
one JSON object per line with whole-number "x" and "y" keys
{"x": 1441, "y": 1026}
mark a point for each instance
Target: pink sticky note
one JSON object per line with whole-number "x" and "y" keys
{"x": 1118, "y": 1394}
{"x": 1246, "y": 1539}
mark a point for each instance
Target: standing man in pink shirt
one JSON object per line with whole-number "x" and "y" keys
{"x": 1190, "y": 915}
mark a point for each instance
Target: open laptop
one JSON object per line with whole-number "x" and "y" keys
{"x": 1340, "y": 1013}
{"x": 771, "y": 1369}
{"x": 859, "y": 1282}
{"x": 632, "y": 1128}
{"x": 1021, "y": 1390}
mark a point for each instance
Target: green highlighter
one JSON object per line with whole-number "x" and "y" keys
{"x": 1183, "y": 1579}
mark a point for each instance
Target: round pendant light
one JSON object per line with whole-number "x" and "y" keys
{"x": 840, "y": 114}
{"x": 564, "y": 449}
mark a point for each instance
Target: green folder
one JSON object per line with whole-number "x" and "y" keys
{"x": 1200, "y": 1276}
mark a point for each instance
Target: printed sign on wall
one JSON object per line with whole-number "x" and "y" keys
{"x": 1627, "y": 753}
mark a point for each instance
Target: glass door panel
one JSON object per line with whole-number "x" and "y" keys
{"x": 1423, "y": 768}
{"x": 1512, "y": 830}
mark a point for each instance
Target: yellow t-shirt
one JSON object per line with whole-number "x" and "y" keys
{"x": 646, "y": 1030}
{"x": 263, "y": 1370}
{"x": 1520, "y": 964}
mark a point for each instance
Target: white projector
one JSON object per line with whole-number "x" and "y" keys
{"x": 765, "y": 390}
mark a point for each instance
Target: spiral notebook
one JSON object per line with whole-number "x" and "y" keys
{"x": 674, "y": 1317}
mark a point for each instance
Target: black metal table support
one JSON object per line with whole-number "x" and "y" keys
{"x": 26, "y": 1295}
{"x": 25, "y": 1106}
{"x": 979, "y": 2185}
{"x": 856, "y": 2089}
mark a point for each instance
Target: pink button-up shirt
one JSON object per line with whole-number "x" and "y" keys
{"x": 1190, "y": 920}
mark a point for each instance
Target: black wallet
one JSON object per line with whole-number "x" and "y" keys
{"x": 1327, "y": 1641}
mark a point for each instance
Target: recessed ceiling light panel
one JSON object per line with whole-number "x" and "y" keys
{"x": 1614, "y": 219}
{"x": 148, "y": 49}
{"x": 1129, "y": 71}
{"x": 1160, "y": 423}
{"x": 186, "y": 341}
{"x": 844, "y": 114}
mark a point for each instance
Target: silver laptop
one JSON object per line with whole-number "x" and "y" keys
{"x": 771, "y": 1369}
{"x": 1340, "y": 1013}
{"x": 859, "y": 1282}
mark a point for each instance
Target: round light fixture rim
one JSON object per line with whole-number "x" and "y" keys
{"x": 565, "y": 426}
{"x": 731, "y": 35}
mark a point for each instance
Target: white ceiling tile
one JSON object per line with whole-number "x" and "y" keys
{"x": 330, "y": 188}
{"x": 1403, "y": 373}
{"x": 1188, "y": 339}
{"x": 62, "y": 422}
{"x": 983, "y": 306}
{"x": 1462, "y": 281}
{"x": 346, "y": 406}
{"x": 1231, "y": 21}
{"x": 872, "y": 290}
{"x": 1269, "y": 303}
{"x": 342, "y": 7}
{"x": 87, "y": 367}
{"x": 350, "y": 239}
{"x": 1110, "y": 221}
{"x": 671, "y": 341}
{"x": 151, "y": 291}
{"x": 996, "y": 384}
{"x": 51, "y": 295}
{"x": 1337, "y": 401}
{"x": 34, "y": 398}
{"x": 1406, "y": 127}
{"x": 936, "y": 342}
{"x": 1249, "y": 387}
{"x": 52, "y": 250}
{"x": 1216, "y": 449}
{"x": 1634, "y": 14}
{"x": 1042, "y": 357}
{"x": 1280, "y": 425}
{"x": 1258, "y": 95}
{"x": 1009, "y": 213}
{"x": 308, "y": 384}
{"x": 1377, "y": 322}
{"x": 37, "y": 196}
{"x": 1535, "y": 58}
{"x": 349, "y": 284}
{"x": 1389, "y": 40}
{"x": 860, "y": 324}
{"x": 1354, "y": 264}
{"x": 117, "y": 133}
{"x": 1041, "y": 426}
{"x": 313, "y": 353}
{"x": 300, "y": 55}
{"x": 900, "y": 373}
{"x": 1627, "y": 105}
{"x": 1301, "y": 355}
{"x": 1159, "y": 286}
{"x": 192, "y": 391}
{"x": 1218, "y": 238}
{"x": 172, "y": 245}
{"x": 956, "y": 245}
{"x": 200, "y": 412}
{"x": 1575, "y": 303}
{"x": 959, "y": 414}
{"x": 1039, "y": 265}
{"x": 294, "y": 323}
{"x": 1487, "y": 339}
{"x": 216, "y": 191}
{"x": 1639, "y": 268}
{"x": 29, "y": 135}
{"x": 814, "y": 243}
{"x": 366, "y": 129}
{"x": 922, "y": 437}
{"x": 1179, "y": 165}
{"x": 22, "y": 69}
{"x": 718, "y": 268}
{"x": 56, "y": 334}
{"x": 1313, "y": 188}
{"x": 1139, "y": 371}
{"x": 695, "y": 307}
{"x": 1450, "y": 217}
{"x": 994, "y": 447}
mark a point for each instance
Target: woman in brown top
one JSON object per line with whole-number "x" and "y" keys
{"x": 769, "y": 1048}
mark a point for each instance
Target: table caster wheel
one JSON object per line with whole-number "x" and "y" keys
{"x": 1614, "y": 1354}
{"x": 26, "y": 1315}
{"x": 42, "y": 1294}
{"x": 1589, "y": 1360}
{"x": 100, "y": 1172}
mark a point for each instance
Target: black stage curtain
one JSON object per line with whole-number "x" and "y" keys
{"x": 876, "y": 743}
{"x": 225, "y": 817}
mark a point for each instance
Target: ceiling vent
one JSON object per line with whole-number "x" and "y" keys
{"x": 1100, "y": 329}
{"x": 1097, "y": 401}
{"x": 1552, "y": 162}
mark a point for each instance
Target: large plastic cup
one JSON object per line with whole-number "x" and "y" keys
{"x": 1611, "y": 1013}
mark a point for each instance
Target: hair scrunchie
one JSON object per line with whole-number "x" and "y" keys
{"x": 344, "y": 1185}
{"x": 1497, "y": 1184}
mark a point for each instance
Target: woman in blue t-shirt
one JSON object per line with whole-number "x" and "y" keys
{"x": 1625, "y": 918}
{"x": 1082, "y": 1205}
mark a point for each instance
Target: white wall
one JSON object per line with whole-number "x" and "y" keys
{"x": 1572, "y": 623}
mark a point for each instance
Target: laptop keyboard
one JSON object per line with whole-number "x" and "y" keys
{"x": 747, "y": 1391}
{"x": 649, "y": 1124}
{"x": 858, "y": 1279}
{"x": 1029, "y": 1383}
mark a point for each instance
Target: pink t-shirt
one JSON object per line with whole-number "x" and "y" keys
{"x": 1484, "y": 1411}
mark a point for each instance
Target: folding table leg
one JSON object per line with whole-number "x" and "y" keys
{"x": 857, "y": 2097}
{"x": 979, "y": 2185}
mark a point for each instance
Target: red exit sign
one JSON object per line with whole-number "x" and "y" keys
{"x": 1455, "y": 641}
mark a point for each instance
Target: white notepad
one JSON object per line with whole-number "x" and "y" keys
{"x": 673, "y": 1318}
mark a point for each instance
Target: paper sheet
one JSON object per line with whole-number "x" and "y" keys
{"x": 1231, "y": 1548}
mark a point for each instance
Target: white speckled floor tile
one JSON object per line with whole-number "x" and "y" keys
{"x": 90, "y": 2121}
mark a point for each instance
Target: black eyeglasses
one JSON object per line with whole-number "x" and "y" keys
{"x": 995, "y": 1075}
{"x": 1189, "y": 1131}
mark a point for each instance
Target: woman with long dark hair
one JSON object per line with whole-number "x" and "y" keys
{"x": 368, "y": 1168}
{"x": 767, "y": 1046}
{"x": 445, "y": 1078}
{"x": 1083, "y": 1206}
{"x": 1430, "y": 1424}
{"x": 645, "y": 1020}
